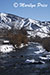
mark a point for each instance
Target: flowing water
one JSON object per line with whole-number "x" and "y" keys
{"x": 30, "y": 60}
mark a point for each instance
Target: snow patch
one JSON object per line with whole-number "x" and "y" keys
{"x": 30, "y": 61}
{"x": 6, "y": 48}
{"x": 33, "y": 61}
{"x": 33, "y": 21}
{"x": 44, "y": 58}
{"x": 5, "y": 18}
{"x": 42, "y": 35}
{"x": 21, "y": 46}
{"x": 48, "y": 56}
{"x": 40, "y": 48}
{"x": 3, "y": 14}
{"x": 6, "y": 41}
{"x": 45, "y": 29}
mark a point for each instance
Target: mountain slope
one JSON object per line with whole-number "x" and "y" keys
{"x": 34, "y": 27}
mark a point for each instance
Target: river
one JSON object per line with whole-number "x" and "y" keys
{"x": 30, "y": 60}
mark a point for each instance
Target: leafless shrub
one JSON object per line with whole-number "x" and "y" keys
{"x": 46, "y": 43}
{"x": 18, "y": 38}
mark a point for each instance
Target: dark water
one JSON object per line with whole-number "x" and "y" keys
{"x": 31, "y": 60}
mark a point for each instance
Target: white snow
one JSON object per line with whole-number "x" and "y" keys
{"x": 30, "y": 61}
{"x": 3, "y": 14}
{"x": 45, "y": 29}
{"x": 45, "y": 58}
{"x": 6, "y": 48}
{"x": 40, "y": 48}
{"x": 33, "y": 21}
{"x": 2, "y": 25}
{"x": 40, "y": 51}
{"x": 48, "y": 56}
{"x": 33, "y": 61}
{"x": 22, "y": 23}
{"x": 6, "y": 41}
{"x": 18, "y": 24}
{"x": 21, "y": 46}
{"x": 42, "y": 35}
{"x": 42, "y": 62}
{"x": 41, "y": 32}
{"x": 5, "y": 18}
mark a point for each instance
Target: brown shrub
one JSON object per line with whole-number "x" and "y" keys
{"x": 36, "y": 39}
{"x": 46, "y": 43}
{"x": 18, "y": 38}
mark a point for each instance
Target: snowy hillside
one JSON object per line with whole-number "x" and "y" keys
{"x": 37, "y": 27}
{"x": 33, "y": 27}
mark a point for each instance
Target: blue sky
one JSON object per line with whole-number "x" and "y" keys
{"x": 6, "y": 6}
